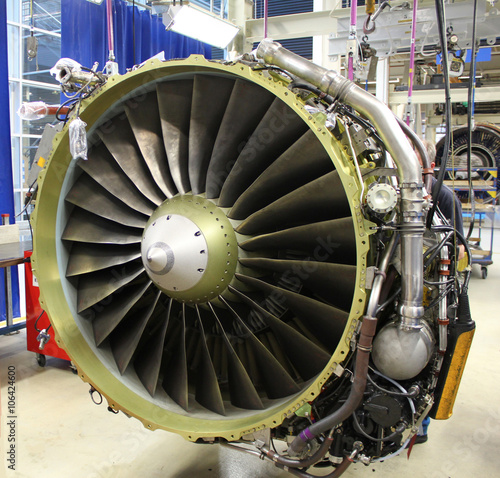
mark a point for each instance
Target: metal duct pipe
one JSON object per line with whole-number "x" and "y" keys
{"x": 409, "y": 170}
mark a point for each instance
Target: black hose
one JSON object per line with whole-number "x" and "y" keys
{"x": 441, "y": 24}
{"x": 440, "y": 297}
{"x": 382, "y": 306}
{"x": 307, "y": 86}
{"x": 36, "y": 323}
{"x": 460, "y": 236}
{"x": 435, "y": 251}
{"x": 470, "y": 108}
{"x": 71, "y": 104}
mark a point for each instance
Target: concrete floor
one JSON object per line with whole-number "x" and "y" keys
{"x": 61, "y": 433}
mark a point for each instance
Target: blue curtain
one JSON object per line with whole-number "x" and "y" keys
{"x": 6, "y": 185}
{"x": 84, "y": 35}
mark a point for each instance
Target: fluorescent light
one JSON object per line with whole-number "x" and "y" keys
{"x": 390, "y": 81}
{"x": 468, "y": 77}
{"x": 200, "y": 25}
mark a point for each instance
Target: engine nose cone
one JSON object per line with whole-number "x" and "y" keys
{"x": 174, "y": 253}
{"x": 160, "y": 258}
{"x": 189, "y": 249}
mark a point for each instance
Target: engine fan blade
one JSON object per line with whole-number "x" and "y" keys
{"x": 175, "y": 380}
{"x": 148, "y": 361}
{"x": 96, "y": 286}
{"x": 276, "y": 132}
{"x": 333, "y": 282}
{"x": 326, "y": 322}
{"x": 88, "y": 195}
{"x": 119, "y": 140}
{"x": 86, "y": 227}
{"x": 301, "y": 163}
{"x": 241, "y": 389}
{"x": 319, "y": 200}
{"x": 174, "y": 102}
{"x": 103, "y": 169}
{"x": 94, "y": 257}
{"x": 207, "y": 387}
{"x": 234, "y": 131}
{"x": 125, "y": 338}
{"x": 210, "y": 98}
{"x": 107, "y": 320}
{"x": 324, "y": 241}
{"x": 276, "y": 380}
{"x": 306, "y": 356}
{"x": 144, "y": 118}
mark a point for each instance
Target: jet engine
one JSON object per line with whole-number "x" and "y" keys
{"x": 237, "y": 240}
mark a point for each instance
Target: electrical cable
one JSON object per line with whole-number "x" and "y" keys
{"x": 441, "y": 24}
{"x": 275, "y": 68}
{"x": 448, "y": 282}
{"x": 357, "y": 426}
{"x": 440, "y": 297}
{"x": 345, "y": 110}
{"x": 467, "y": 251}
{"x": 36, "y": 323}
{"x": 434, "y": 251}
{"x": 72, "y": 102}
{"x": 381, "y": 307}
{"x": 396, "y": 453}
{"x": 398, "y": 385}
{"x": 308, "y": 87}
{"x": 411, "y": 394}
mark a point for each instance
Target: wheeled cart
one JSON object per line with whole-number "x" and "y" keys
{"x": 485, "y": 189}
{"x": 37, "y": 321}
{"x": 483, "y": 257}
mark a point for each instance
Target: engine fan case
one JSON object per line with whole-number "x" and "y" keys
{"x": 49, "y": 259}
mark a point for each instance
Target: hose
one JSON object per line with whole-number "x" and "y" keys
{"x": 367, "y": 332}
{"x": 412, "y": 393}
{"x": 441, "y": 24}
{"x": 364, "y": 346}
{"x": 470, "y": 118}
{"x": 422, "y": 151}
{"x": 292, "y": 465}
{"x": 288, "y": 462}
{"x": 308, "y": 87}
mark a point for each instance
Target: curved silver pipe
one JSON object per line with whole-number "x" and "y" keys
{"x": 412, "y": 215}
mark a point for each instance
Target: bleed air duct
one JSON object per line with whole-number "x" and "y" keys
{"x": 411, "y": 218}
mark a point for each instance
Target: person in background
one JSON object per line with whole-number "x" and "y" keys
{"x": 447, "y": 201}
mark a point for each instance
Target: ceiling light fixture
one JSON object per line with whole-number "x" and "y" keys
{"x": 186, "y": 19}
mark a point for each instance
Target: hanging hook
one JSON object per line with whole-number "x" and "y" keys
{"x": 366, "y": 28}
{"x": 371, "y": 18}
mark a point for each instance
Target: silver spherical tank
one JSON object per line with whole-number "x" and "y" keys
{"x": 402, "y": 354}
